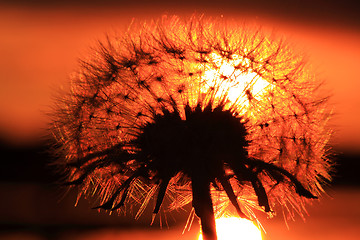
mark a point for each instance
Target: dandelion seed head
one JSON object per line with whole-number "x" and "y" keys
{"x": 193, "y": 111}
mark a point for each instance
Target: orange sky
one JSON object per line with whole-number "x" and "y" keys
{"x": 39, "y": 47}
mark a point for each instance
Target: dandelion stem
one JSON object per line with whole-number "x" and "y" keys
{"x": 203, "y": 206}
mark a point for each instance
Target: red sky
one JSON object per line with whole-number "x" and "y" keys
{"x": 39, "y": 47}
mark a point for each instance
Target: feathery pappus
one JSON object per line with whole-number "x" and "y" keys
{"x": 195, "y": 111}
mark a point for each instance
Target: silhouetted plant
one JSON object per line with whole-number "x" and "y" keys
{"x": 194, "y": 111}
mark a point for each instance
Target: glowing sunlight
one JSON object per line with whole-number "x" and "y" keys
{"x": 234, "y": 78}
{"x": 233, "y": 228}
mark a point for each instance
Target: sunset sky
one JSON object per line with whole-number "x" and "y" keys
{"x": 40, "y": 43}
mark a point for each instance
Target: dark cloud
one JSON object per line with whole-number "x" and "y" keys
{"x": 337, "y": 13}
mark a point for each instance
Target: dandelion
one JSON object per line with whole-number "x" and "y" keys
{"x": 196, "y": 111}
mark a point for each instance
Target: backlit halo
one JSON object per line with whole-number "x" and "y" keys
{"x": 186, "y": 111}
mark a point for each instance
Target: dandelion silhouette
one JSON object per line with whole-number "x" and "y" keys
{"x": 194, "y": 111}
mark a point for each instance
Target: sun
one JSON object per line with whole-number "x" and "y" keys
{"x": 234, "y": 78}
{"x": 233, "y": 228}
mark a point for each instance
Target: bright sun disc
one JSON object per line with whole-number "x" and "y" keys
{"x": 234, "y": 78}
{"x": 233, "y": 228}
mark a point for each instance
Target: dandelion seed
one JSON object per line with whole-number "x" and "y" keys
{"x": 195, "y": 112}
